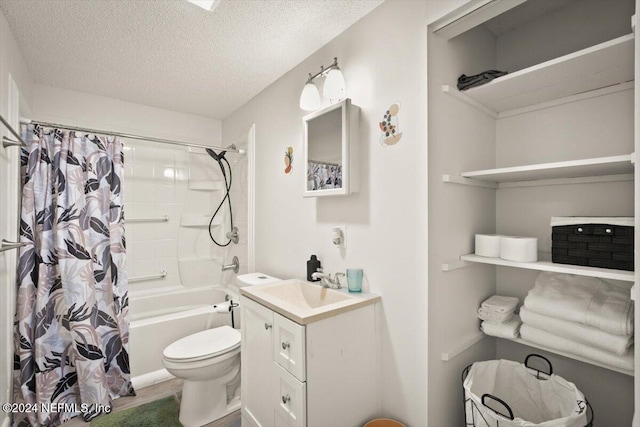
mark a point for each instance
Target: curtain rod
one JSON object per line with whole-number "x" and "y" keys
{"x": 232, "y": 148}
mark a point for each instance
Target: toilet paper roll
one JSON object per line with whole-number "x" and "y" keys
{"x": 223, "y": 307}
{"x": 488, "y": 245}
{"x": 519, "y": 249}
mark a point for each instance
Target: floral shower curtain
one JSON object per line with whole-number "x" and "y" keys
{"x": 71, "y": 327}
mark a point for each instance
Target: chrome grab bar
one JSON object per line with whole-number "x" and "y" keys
{"x": 164, "y": 218}
{"x": 7, "y": 245}
{"x": 160, "y": 275}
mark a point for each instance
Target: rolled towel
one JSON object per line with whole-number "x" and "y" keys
{"x": 494, "y": 317}
{"x": 501, "y": 304}
{"x": 587, "y": 300}
{"x": 543, "y": 338}
{"x": 577, "y": 332}
{"x": 509, "y": 330}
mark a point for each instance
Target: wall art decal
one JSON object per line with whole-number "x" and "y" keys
{"x": 288, "y": 160}
{"x": 390, "y": 126}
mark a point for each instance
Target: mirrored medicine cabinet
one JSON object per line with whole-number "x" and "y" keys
{"x": 330, "y": 150}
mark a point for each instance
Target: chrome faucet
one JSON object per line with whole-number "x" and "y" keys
{"x": 235, "y": 265}
{"x": 327, "y": 281}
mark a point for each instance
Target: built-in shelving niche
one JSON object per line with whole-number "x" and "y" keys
{"x": 595, "y": 71}
{"x": 613, "y": 168}
{"x": 603, "y": 68}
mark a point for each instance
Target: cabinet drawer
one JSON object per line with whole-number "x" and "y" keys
{"x": 289, "y": 346}
{"x": 291, "y": 403}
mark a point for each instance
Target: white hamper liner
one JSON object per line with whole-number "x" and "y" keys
{"x": 503, "y": 393}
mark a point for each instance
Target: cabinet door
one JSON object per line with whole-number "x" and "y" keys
{"x": 257, "y": 363}
{"x": 289, "y": 346}
{"x": 291, "y": 403}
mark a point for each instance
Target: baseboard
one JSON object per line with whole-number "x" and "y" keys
{"x": 150, "y": 378}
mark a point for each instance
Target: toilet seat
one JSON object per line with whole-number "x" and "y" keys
{"x": 203, "y": 345}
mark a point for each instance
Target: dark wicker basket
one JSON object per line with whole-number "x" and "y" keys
{"x": 593, "y": 245}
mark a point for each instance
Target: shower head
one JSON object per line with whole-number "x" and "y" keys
{"x": 216, "y": 156}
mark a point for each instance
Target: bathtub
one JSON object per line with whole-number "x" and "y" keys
{"x": 161, "y": 318}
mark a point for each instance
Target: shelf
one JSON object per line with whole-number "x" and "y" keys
{"x": 571, "y": 356}
{"x": 205, "y": 185}
{"x": 601, "y": 166}
{"x": 546, "y": 265}
{"x": 600, "y": 66}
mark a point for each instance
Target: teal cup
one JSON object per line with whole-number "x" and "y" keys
{"x": 354, "y": 279}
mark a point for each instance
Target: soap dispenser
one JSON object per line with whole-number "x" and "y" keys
{"x": 313, "y": 265}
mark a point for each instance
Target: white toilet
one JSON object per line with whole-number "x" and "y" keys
{"x": 209, "y": 362}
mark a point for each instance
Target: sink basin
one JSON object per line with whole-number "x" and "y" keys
{"x": 305, "y": 302}
{"x": 305, "y": 294}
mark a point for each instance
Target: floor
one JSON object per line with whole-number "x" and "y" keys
{"x": 155, "y": 392}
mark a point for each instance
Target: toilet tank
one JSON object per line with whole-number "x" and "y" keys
{"x": 243, "y": 280}
{"x": 251, "y": 279}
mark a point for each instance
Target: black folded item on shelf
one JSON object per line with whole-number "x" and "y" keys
{"x": 465, "y": 82}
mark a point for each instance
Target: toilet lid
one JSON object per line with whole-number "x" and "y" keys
{"x": 205, "y": 344}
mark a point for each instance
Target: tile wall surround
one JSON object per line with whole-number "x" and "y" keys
{"x": 186, "y": 185}
{"x": 240, "y": 202}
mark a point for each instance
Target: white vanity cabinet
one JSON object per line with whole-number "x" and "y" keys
{"x": 256, "y": 373}
{"x": 322, "y": 374}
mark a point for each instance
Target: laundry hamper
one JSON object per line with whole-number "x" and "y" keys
{"x": 503, "y": 393}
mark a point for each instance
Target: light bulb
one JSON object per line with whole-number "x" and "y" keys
{"x": 334, "y": 86}
{"x": 206, "y": 4}
{"x": 310, "y": 97}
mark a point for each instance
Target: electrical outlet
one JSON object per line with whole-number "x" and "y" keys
{"x": 340, "y": 232}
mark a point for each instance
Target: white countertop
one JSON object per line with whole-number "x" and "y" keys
{"x": 299, "y": 300}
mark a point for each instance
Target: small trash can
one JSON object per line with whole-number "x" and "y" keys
{"x": 384, "y": 422}
{"x": 503, "y": 393}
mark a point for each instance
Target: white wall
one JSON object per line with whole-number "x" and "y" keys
{"x": 383, "y": 57}
{"x": 83, "y": 109}
{"x": 11, "y": 65}
{"x": 562, "y": 32}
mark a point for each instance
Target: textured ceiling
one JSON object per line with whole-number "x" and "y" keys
{"x": 171, "y": 53}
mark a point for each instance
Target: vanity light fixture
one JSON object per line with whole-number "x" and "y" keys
{"x": 209, "y": 5}
{"x": 310, "y": 97}
{"x": 334, "y": 87}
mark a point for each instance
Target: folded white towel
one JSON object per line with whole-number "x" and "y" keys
{"x": 509, "y": 330}
{"x": 501, "y": 304}
{"x": 577, "y": 332}
{"x": 540, "y": 337}
{"x": 587, "y": 300}
{"x": 494, "y": 317}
